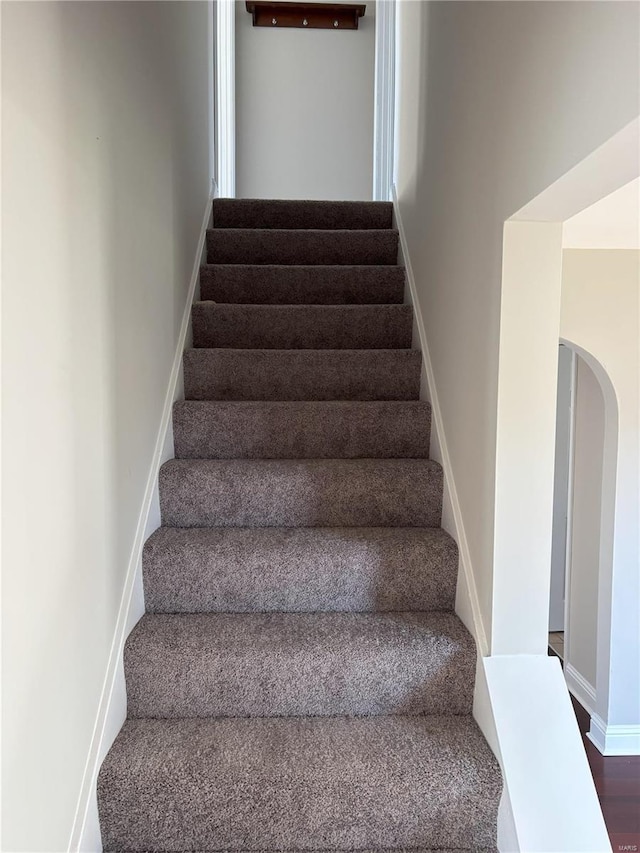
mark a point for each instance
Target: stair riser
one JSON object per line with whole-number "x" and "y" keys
{"x": 239, "y": 246}
{"x": 386, "y": 493}
{"x": 312, "y": 285}
{"x": 299, "y": 570}
{"x": 267, "y": 213}
{"x": 293, "y": 430}
{"x": 302, "y": 326}
{"x": 302, "y": 375}
{"x": 278, "y": 665}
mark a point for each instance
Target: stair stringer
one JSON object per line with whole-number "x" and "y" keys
{"x": 112, "y": 708}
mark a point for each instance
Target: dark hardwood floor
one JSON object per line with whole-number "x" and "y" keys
{"x": 617, "y": 781}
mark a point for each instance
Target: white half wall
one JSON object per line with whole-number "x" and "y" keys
{"x": 304, "y": 110}
{"x": 105, "y": 179}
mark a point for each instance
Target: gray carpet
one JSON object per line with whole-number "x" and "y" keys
{"x": 313, "y": 569}
{"x": 270, "y": 783}
{"x": 302, "y": 326}
{"x": 247, "y": 374}
{"x": 282, "y": 213}
{"x": 281, "y": 246}
{"x": 273, "y": 284}
{"x": 300, "y": 682}
{"x": 298, "y": 664}
{"x": 301, "y": 493}
{"x": 204, "y": 429}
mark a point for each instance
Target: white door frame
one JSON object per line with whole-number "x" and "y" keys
{"x": 224, "y": 131}
{"x": 224, "y": 141}
{"x": 563, "y": 486}
{"x": 384, "y": 100}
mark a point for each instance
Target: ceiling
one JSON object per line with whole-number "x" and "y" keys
{"x": 611, "y": 223}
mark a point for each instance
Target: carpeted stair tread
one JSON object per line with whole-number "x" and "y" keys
{"x": 245, "y": 569}
{"x": 241, "y": 374}
{"x": 303, "y": 783}
{"x": 281, "y": 246}
{"x": 302, "y": 326}
{"x": 298, "y": 664}
{"x": 300, "y": 682}
{"x": 285, "y": 213}
{"x": 337, "y": 429}
{"x": 301, "y": 493}
{"x": 274, "y": 284}
{"x": 369, "y": 850}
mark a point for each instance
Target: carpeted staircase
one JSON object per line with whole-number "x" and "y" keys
{"x": 300, "y": 681}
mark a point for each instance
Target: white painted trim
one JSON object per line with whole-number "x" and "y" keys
{"x": 614, "y": 740}
{"x": 569, "y": 542}
{"x": 579, "y": 687}
{"x": 226, "y": 97}
{"x": 429, "y": 381}
{"x": 85, "y": 834}
{"x": 211, "y": 89}
{"x": 384, "y": 99}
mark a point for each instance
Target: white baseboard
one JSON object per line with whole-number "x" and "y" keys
{"x": 112, "y": 708}
{"x": 579, "y": 687}
{"x": 467, "y": 602}
{"x": 614, "y": 740}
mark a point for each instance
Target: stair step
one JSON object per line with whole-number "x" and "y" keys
{"x": 283, "y": 213}
{"x": 298, "y": 664}
{"x": 299, "y": 783}
{"x": 302, "y": 326}
{"x": 301, "y": 493}
{"x": 240, "y": 374}
{"x": 211, "y": 429}
{"x": 274, "y": 284}
{"x": 200, "y": 570}
{"x": 278, "y": 246}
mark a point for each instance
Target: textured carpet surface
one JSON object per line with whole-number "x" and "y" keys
{"x": 265, "y": 246}
{"x": 282, "y": 213}
{"x": 299, "y": 569}
{"x": 300, "y": 682}
{"x": 272, "y": 284}
{"x": 299, "y": 430}
{"x": 302, "y": 326}
{"x": 246, "y": 374}
{"x": 299, "y": 664}
{"x": 299, "y": 782}
{"x": 301, "y": 493}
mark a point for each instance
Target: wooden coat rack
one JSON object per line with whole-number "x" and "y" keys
{"x": 306, "y": 16}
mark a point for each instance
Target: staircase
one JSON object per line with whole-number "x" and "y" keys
{"x": 300, "y": 681}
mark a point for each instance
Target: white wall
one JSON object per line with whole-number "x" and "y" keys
{"x": 601, "y": 319}
{"x": 586, "y": 510}
{"x": 105, "y": 183}
{"x": 496, "y": 101}
{"x": 304, "y": 110}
